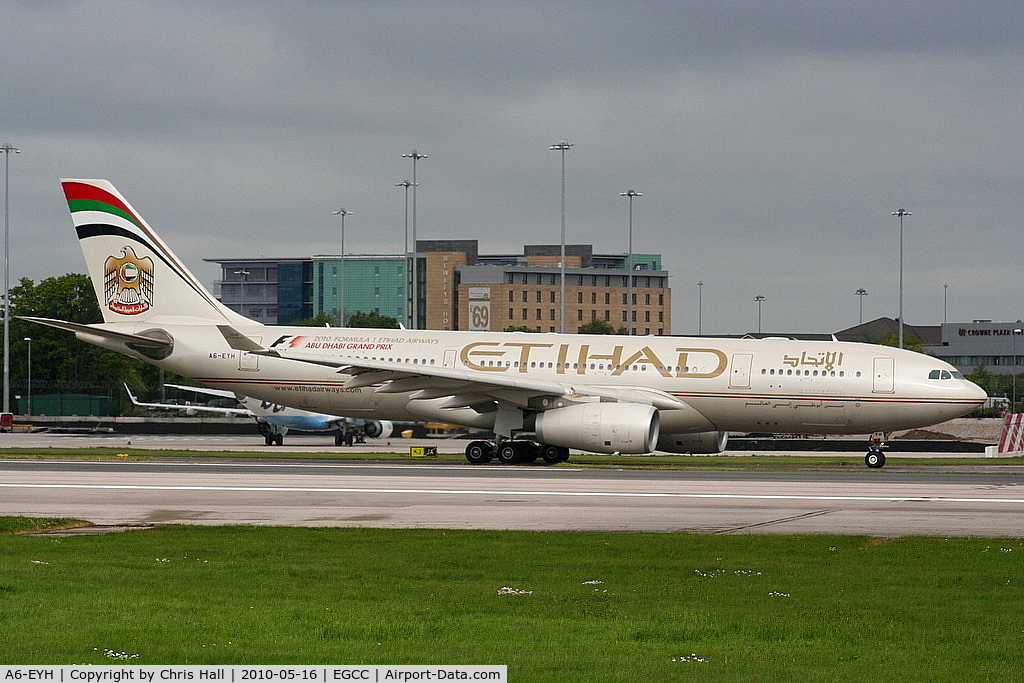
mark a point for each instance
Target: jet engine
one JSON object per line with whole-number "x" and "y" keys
{"x": 378, "y": 429}
{"x": 600, "y": 427}
{"x": 695, "y": 443}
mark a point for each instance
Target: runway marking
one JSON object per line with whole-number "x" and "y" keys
{"x": 502, "y": 492}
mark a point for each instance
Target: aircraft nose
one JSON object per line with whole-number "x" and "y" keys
{"x": 975, "y": 393}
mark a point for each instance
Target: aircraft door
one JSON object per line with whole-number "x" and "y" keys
{"x": 884, "y": 371}
{"x": 740, "y": 377}
{"x": 449, "y": 358}
{"x": 249, "y": 361}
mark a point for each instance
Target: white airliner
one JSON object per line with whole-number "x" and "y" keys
{"x": 541, "y": 394}
{"x": 274, "y": 421}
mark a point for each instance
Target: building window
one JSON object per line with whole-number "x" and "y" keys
{"x": 579, "y": 297}
{"x": 607, "y": 297}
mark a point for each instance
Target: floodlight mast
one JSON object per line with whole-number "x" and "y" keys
{"x": 415, "y": 156}
{"x": 7, "y": 148}
{"x": 341, "y": 306}
{"x": 629, "y": 261}
{"x": 901, "y": 213}
{"x": 562, "y": 146}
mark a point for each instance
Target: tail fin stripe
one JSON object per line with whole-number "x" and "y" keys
{"x": 105, "y": 229}
{"x": 77, "y": 205}
{"x": 82, "y": 197}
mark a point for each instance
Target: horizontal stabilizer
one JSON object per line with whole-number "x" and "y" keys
{"x": 161, "y": 343}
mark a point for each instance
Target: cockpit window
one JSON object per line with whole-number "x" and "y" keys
{"x": 945, "y": 374}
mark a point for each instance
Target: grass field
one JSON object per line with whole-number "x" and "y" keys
{"x": 552, "y": 606}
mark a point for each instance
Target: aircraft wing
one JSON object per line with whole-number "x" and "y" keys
{"x": 220, "y": 393}
{"x": 462, "y": 387}
{"x": 243, "y": 412}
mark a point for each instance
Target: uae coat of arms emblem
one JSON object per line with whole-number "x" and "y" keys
{"x": 128, "y": 283}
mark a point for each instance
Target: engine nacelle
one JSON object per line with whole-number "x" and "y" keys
{"x": 600, "y": 427}
{"x": 696, "y": 443}
{"x": 378, "y": 429}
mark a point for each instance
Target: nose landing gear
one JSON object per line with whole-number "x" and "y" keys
{"x": 875, "y": 458}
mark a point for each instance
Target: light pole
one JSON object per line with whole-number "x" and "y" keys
{"x": 341, "y": 288}
{"x": 243, "y": 277}
{"x": 945, "y": 299}
{"x": 700, "y": 306}
{"x": 7, "y": 148}
{"x": 760, "y": 300}
{"x": 29, "y": 340}
{"x": 1013, "y": 403}
{"x": 861, "y": 293}
{"x": 563, "y": 147}
{"x": 629, "y": 263}
{"x": 901, "y": 213}
{"x": 415, "y": 156}
{"x": 405, "y": 247}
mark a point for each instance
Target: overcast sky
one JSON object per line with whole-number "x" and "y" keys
{"x": 771, "y": 140}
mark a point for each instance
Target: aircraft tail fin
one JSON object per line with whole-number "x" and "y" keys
{"x": 136, "y": 276}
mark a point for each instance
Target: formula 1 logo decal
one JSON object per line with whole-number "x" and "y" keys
{"x": 128, "y": 283}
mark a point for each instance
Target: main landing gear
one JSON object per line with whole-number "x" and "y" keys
{"x": 875, "y": 458}
{"x": 272, "y": 436}
{"x": 346, "y": 436}
{"x": 519, "y": 451}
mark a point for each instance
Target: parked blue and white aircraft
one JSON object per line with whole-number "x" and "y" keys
{"x": 541, "y": 394}
{"x": 274, "y": 421}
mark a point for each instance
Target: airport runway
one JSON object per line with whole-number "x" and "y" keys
{"x": 878, "y": 503}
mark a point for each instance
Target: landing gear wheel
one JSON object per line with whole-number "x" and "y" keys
{"x": 278, "y": 439}
{"x": 479, "y": 452}
{"x": 508, "y": 454}
{"x": 528, "y": 451}
{"x": 553, "y": 455}
{"x": 339, "y": 440}
{"x": 268, "y": 439}
{"x": 875, "y": 459}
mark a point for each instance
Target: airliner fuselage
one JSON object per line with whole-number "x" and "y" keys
{"x": 541, "y": 394}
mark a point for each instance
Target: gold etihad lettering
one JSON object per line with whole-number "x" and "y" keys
{"x": 524, "y": 357}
